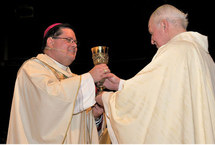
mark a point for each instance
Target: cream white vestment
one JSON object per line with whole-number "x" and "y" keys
{"x": 48, "y": 110}
{"x": 171, "y": 100}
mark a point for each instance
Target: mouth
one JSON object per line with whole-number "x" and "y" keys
{"x": 72, "y": 50}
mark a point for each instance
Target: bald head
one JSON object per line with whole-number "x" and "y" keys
{"x": 170, "y": 13}
{"x": 165, "y": 23}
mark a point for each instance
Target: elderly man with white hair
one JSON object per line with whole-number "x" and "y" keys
{"x": 172, "y": 99}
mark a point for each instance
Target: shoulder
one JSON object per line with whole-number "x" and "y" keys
{"x": 181, "y": 49}
{"x": 176, "y": 52}
{"x": 32, "y": 66}
{"x": 181, "y": 46}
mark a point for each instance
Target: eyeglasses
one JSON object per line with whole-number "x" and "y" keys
{"x": 69, "y": 40}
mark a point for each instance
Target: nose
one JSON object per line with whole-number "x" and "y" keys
{"x": 152, "y": 41}
{"x": 74, "y": 44}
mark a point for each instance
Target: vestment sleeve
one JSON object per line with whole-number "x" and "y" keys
{"x": 86, "y": 94}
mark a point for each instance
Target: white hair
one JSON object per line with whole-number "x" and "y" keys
{"x": 172, "y": 14}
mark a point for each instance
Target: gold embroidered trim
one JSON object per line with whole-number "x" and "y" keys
{"x": 72, "y": 112}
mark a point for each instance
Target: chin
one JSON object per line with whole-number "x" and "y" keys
{"x": 71, "y": 61}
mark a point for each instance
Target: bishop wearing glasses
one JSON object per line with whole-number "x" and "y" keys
{"x": 50, "y": 103}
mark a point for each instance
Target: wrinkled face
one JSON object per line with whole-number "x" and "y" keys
{"x": 159, "y": 34}
{"x": 65, "y": 46}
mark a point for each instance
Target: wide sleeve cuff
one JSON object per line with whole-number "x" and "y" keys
{"x": 86, "y": 95}
{"x": 121, "y": 84}
{"x": 105, "y": 99}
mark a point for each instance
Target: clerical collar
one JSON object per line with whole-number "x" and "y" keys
{"x": 59, "y": 64}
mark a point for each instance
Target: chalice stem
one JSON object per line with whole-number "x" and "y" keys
{"x": 100, "y": 85}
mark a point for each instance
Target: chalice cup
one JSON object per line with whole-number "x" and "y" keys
{"x": 100, "y": 55}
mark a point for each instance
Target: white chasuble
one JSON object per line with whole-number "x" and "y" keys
{"x": 171, "y": 100}
{"x": 50, "y": 106}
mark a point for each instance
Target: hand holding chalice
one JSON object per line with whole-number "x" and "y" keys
{"x": 100, "y": 55}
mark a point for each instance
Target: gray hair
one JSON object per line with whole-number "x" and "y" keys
{"x": 172, "y": 14}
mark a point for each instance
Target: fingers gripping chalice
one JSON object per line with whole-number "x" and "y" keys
{"x": 100, "y": 55}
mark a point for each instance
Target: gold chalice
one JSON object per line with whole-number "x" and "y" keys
{"x": 100, "y": 55}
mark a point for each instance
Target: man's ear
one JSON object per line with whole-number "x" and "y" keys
{"x": 50, "y": 42}
{"x": 164, "y": 25}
